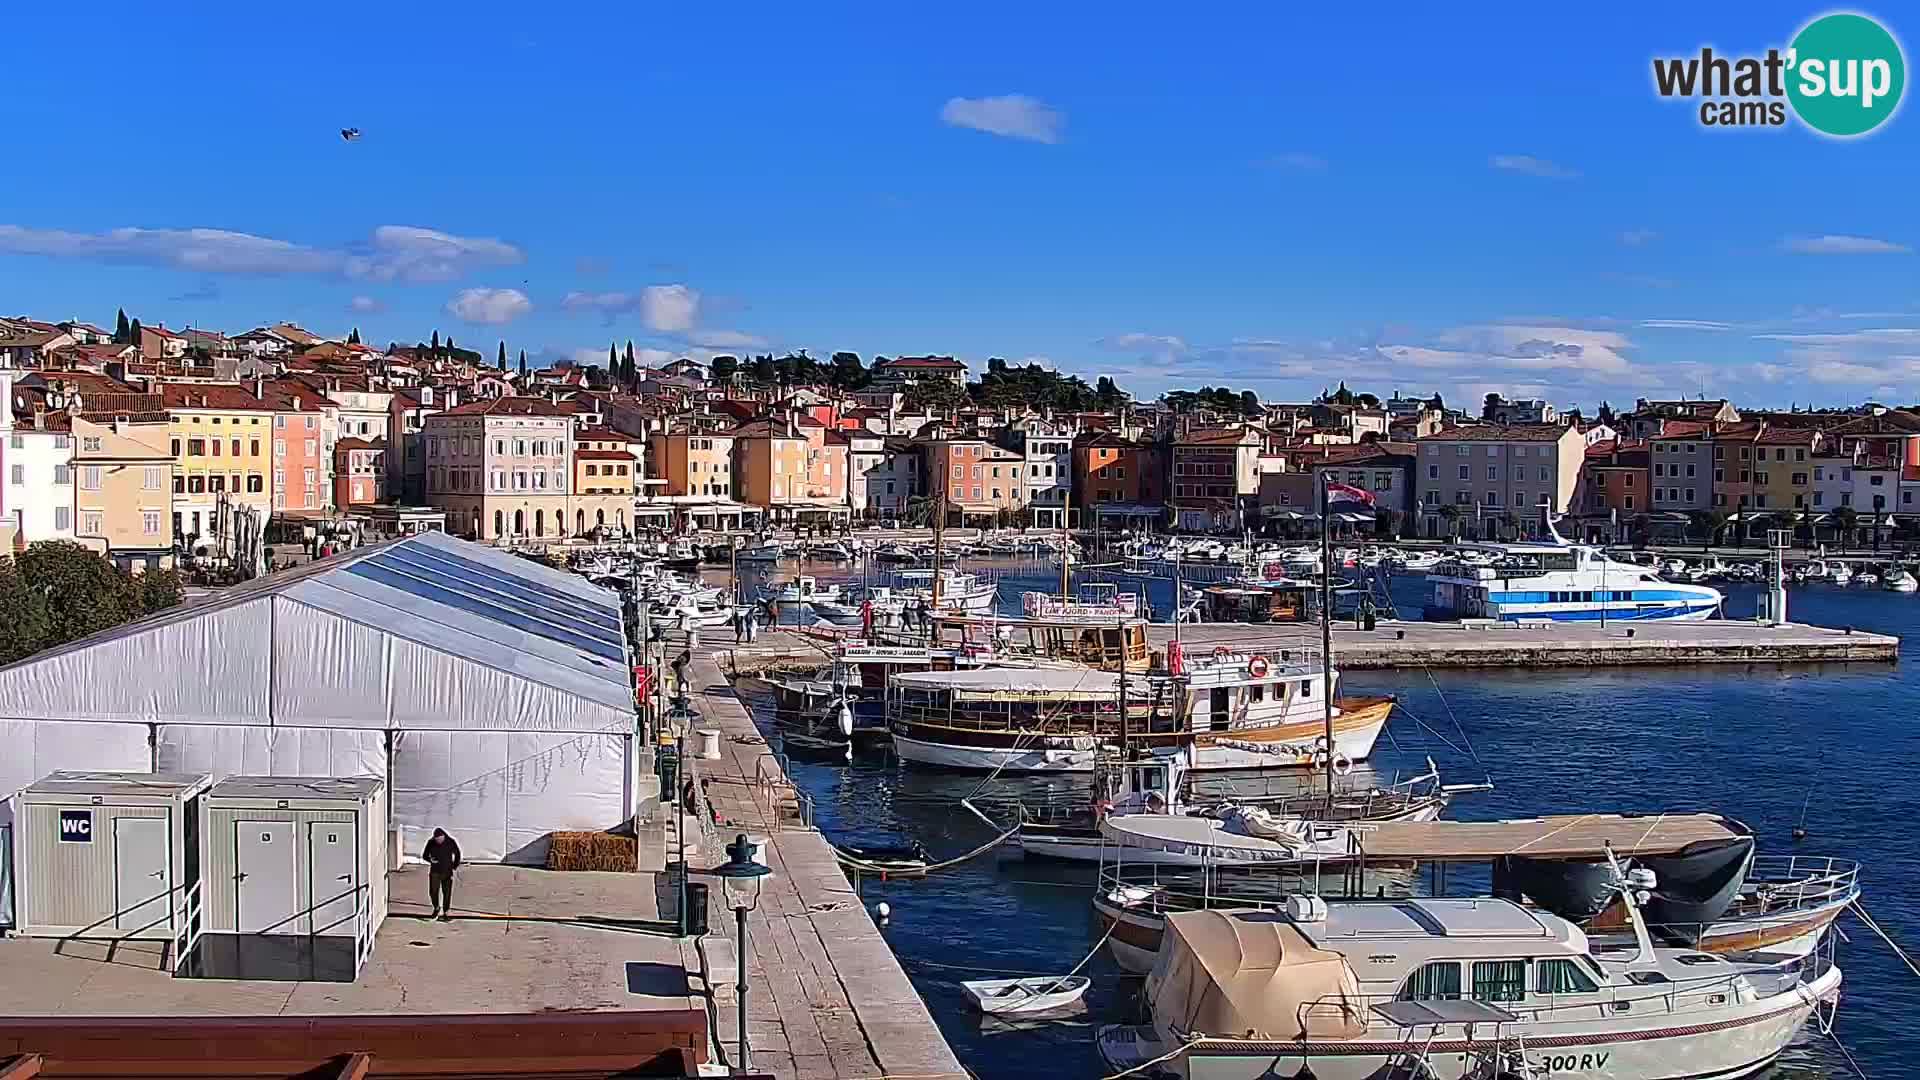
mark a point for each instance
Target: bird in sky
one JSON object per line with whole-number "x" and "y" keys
{"x": 349, "y": 134}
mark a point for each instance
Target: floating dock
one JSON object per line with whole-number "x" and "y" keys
{"x": 1555, "y": 645}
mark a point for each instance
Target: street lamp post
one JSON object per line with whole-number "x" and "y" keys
{"x": 741, "y": 876}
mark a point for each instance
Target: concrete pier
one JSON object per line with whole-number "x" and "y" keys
{"x": 826, "y": 997}
{"x": 1393, "y": 645}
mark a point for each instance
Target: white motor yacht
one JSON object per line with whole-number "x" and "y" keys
{"x": 1451, "y": 989}
{"x": 1898, "y": 580}
{"x": 806, "y": 589}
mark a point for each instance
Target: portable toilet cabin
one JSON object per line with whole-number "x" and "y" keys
{"x": 108, "y": 855}
{"x": 296, "y": 875}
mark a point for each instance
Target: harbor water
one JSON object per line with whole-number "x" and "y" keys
{"x": 1771, "y": 746}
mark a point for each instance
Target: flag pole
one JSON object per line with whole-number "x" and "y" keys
{"x": 1326, "y": 625}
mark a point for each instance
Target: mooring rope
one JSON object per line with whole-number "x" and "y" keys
{"x": 921, "y": 871}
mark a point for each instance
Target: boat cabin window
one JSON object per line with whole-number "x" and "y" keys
{"x": 1306, "y": 688}
{"x": 1146, "y": 780}
{"x": 1257, "y": 692}
{"x": 1499, "y": 980}
{"x": 1647, "y": 978}
{"x": 1438, "y": 981}
{"x": 1561, "y": 977}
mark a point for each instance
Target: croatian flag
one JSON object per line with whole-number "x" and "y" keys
{"x": 1338, "y": 492}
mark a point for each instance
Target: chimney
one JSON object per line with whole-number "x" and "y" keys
{"x": 258, "y": 385}
{"x": 296, "y": 403}
{"x": 453, "y": 396}
{"x": 426, "y": 395}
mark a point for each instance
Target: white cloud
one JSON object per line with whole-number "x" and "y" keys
{"x": 726, "y": 339}
{"x": 669, "y": 309}
{"x": 1684, "y": 324}
{"x": 1892, "y": 335}
{"x": 410, "y": 253}
{"x": 1161, "y": 344}
{"x": 207, "y": 250}
{"x": 492, "y": 307}
{"x": 1638, "y": 237}
{"x": 1015, "y": 116}
{"x": 366, "y": 305}
{"x": 1533, "y": 166}
{"x": 391, "y": 253}
{"x": 1842, "y": 245}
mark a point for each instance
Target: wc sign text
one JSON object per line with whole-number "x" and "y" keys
{"x": 76, "y": 826}
{"x": 1842, "y": 76}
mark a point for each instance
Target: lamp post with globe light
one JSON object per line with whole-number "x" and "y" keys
{"x": 741, "y": 876}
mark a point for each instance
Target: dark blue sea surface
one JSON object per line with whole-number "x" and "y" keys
{"x": 1755, "y": 742}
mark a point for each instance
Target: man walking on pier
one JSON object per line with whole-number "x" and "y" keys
{"x": 443, "y": 858}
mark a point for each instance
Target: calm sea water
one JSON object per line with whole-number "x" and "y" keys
{"x": 1762, "y": 744}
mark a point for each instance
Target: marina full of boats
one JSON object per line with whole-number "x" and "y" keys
{"x": 1343, "y": 925}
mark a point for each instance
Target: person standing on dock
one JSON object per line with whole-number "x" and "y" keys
{"x": 443, "y": 858}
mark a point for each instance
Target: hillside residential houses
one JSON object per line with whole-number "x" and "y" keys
{"x": 155, "y": 445}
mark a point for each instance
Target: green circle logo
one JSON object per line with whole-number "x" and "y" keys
{"x": 1846, "y": 73}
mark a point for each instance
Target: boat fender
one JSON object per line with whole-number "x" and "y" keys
{"x": 1342, "y": 764}
{"x": 1319, "y": 759}
{"x": 1257, "y": 667}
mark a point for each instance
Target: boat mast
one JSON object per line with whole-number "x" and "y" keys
{"x": 1326, "y": 626}
{"x": 939, "y": 534}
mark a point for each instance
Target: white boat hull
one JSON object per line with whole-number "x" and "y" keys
{"x": 1355, "y": 744}
{"x": 1697, "y": 1043}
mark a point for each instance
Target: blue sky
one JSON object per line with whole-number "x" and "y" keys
{"x": 1461, "y": 201}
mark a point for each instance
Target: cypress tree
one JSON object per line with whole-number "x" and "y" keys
{"x": 613, "y": 358}
{"x": 503, "y": 356}
{"x": 354, "y": 338}
{"x": 122, "y": 332}
{"x": 436, "y": 342}
{"x": 133, "y": 333}
{"x": 523, "y": 365}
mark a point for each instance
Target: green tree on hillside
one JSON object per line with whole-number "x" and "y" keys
{"x": 122, "y": 331}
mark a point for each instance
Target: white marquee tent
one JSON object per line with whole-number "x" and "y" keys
{"x": 491, "y": 693}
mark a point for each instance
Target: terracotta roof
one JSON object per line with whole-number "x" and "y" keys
{"x": 1684, "y": 429}
{"x": 509, "y": 406}
{"x": 354, "y": 442}
{"x": 602, "y": 433}
{"x": 1891, "y": 422}
{"x": 602, "y": 455}
{"x": 1771, "y": 436}
{"x": 210, "y": 396}
{"x": 943, "y": 362}
{"x": 1500, "y": 433}
{"x": 1216, "y": 437}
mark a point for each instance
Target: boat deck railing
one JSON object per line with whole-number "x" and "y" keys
{"x": 1781, "y": 883}
{"x": 1103, "y": 722}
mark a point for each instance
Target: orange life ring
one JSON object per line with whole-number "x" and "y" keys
{"x": 1257, "y": 667}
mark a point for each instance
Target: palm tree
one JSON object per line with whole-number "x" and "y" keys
{"x": 1845, "y": 520}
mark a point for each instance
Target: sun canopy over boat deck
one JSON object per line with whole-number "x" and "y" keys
{"x": 1566, "y": 836}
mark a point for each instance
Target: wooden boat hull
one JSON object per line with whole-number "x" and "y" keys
{"x": 1356, "y": 730}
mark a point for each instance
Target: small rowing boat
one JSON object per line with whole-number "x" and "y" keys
{"x": 1027, "y": 996}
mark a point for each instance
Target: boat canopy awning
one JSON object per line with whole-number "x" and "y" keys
{"x": 1568, "y": 836}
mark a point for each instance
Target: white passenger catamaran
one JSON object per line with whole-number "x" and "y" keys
{"x": 1559, "y": 581}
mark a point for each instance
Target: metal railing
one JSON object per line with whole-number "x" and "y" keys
{"x": 776, "y": 787}
{"x": 192, "y": 920}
